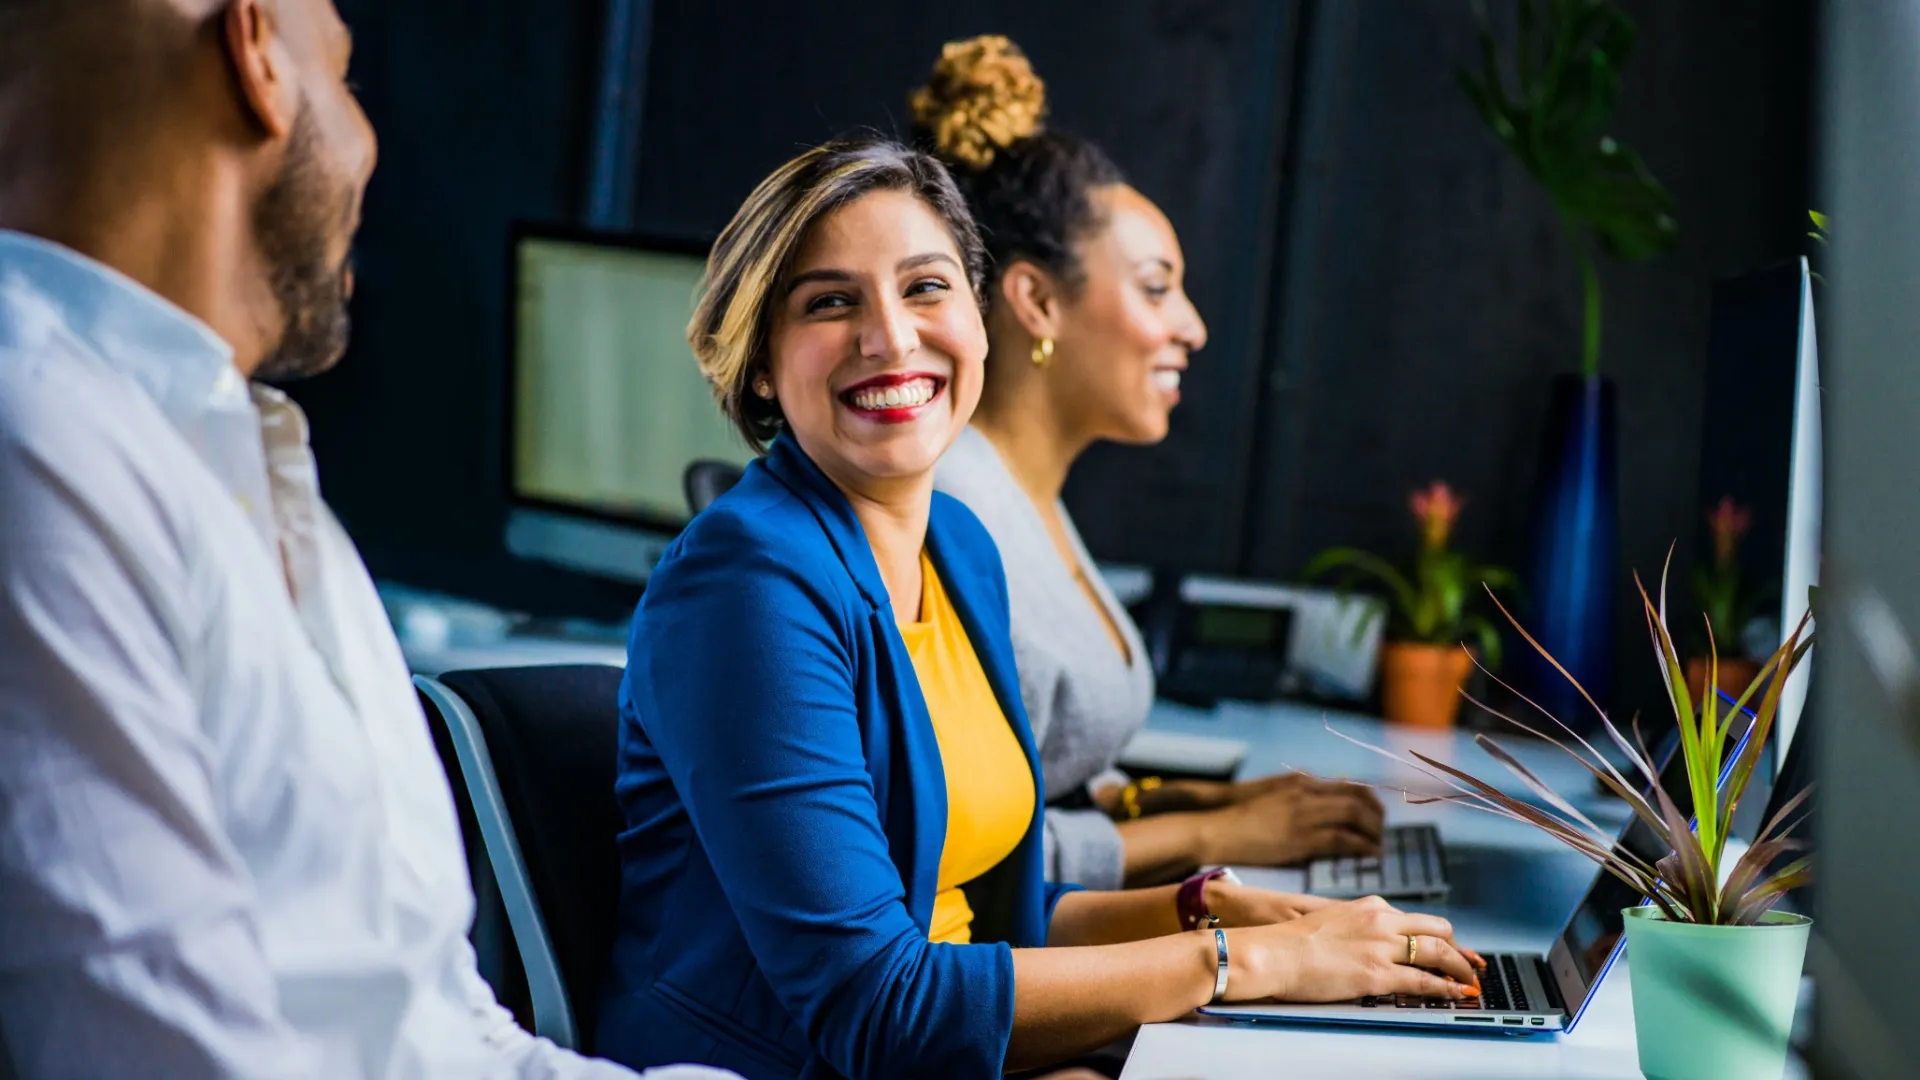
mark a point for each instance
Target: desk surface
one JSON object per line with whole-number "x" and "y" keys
{"x": 1513, "y": 888}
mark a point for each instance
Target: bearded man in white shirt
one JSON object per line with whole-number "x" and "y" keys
{"x": 226, "y": 845}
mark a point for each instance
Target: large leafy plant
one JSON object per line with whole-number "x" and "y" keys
{"x": 1429, "y": 599}
{"x": 1567, "y": 58}
{"x": 1686, "y": 883}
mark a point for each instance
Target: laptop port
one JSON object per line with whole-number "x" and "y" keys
{"x": 1514, "y": 1021}
{"x": 1473, "y": 1020}
{"x": 1539, "y": 1021}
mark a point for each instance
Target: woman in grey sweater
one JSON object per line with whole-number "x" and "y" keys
{"x": 1090, "y": 332}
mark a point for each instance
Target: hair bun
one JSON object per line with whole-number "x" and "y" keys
{"x": 982, "y": 98}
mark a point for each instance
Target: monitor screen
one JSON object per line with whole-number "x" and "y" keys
{"x": 608, "y": 405}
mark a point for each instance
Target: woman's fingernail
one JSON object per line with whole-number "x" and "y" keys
{"x": 1470, "y": 991}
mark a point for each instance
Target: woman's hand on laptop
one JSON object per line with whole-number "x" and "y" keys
{"x": 1290, "y": 819}
{"x": 1349, "y": 950}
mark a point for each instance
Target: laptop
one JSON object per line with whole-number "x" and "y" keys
{"x": 1521, "y": 993}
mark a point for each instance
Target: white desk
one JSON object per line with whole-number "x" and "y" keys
{"x": 1512, "y": 890}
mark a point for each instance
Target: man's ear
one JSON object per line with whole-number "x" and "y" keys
{"x": 1032, "y": 297}
{"x": 262, "y": 67}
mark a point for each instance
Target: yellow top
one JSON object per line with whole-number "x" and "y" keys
{"x": 989, "y": 783}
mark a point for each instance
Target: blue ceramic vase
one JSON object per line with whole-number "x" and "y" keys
{"x": 1573, "y": 571}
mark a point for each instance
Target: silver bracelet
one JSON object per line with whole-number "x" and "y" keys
{"x": 1220, "y": 974}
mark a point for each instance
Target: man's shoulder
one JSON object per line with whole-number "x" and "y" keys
{"x": 81, "y": 442}
{"x": 56, "y": 396}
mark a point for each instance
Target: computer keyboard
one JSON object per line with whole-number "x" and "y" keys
{"x": 1411, "y": 862}
{"x": 1501, "y": 990}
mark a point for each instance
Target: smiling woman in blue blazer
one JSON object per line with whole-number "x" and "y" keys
{"x": 831, "y": 854}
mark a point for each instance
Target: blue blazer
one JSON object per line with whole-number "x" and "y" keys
{"x": 785, "y": 805}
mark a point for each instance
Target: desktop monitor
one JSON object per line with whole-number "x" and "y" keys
{"x": 1760, "y": 447}
{"x": 606, "y": 407}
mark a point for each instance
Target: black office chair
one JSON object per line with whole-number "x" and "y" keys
{"x": 705, "y": 481}
{"x": 533, "y": 755}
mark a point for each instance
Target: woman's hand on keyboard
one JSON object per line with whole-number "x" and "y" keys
{"x": 1291, "y": 819}
{"x": 1349, "y": 950}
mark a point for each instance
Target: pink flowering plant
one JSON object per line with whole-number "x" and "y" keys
{"x": 1718, "y": 586}
{"x": 1428, "y": 600}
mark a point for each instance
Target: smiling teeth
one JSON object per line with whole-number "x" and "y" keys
{"x": 905, "y": 396}
{"x": 1167, "y": 378}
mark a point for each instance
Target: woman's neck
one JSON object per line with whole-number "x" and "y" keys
{"x": 1039, "y": 449}
{"x": 894, "y": 514}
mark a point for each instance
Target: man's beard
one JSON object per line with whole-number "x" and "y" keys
{"x": 294, "y": 222}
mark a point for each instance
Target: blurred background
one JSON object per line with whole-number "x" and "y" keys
{"x": 1390, "y": 294}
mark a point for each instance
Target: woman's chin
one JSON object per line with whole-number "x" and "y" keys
{"x": 1145, "y": 428}
{"x": 901, "y": 459}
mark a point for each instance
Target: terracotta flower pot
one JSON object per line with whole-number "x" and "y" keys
{"x": 1420, "y": 683}
{"x": 1735, "y": 675}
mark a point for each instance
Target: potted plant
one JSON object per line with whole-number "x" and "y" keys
{"x": 1715, "y": 970}
{"x": 1728, "y": 601}
{"x": 1422, "y": 665}
{"x": 1552, "y": 113}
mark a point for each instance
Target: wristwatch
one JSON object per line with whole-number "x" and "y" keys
{"x": 1191, "y": 901}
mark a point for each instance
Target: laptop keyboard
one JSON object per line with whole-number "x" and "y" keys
{"x": 1411, "y": 862}
{"x": 1500, "y": 991}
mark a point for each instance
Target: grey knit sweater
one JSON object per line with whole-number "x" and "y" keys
{"x": 1084, "y": 699}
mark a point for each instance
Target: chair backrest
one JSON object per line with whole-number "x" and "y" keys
{"x": 551, "y": 734}
{"x": 705, "y": 481}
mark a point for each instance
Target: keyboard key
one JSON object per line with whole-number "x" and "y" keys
{"x": 1409, "y": 1001}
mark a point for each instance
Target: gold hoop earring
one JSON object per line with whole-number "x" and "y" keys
{"x": 763, "y": 388}
{"x": 1042, "y": 351}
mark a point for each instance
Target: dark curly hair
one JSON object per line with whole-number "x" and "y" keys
{"x": 1029, "y": 187}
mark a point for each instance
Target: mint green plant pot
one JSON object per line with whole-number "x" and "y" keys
{"x": 1714, "y": 1002}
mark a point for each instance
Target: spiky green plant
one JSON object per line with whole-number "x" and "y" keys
{"x": 1684, "y": 884}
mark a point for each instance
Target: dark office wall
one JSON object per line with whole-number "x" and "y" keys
{"x": 483, "y": 110}
{"x": 1388, "y": 292}
{"x": 1428, "y": 294}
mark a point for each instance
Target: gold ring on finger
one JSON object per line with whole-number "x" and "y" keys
{"x": 1413, "y": 949}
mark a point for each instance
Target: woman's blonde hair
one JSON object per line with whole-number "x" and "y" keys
{"x": 741, "y": 292}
